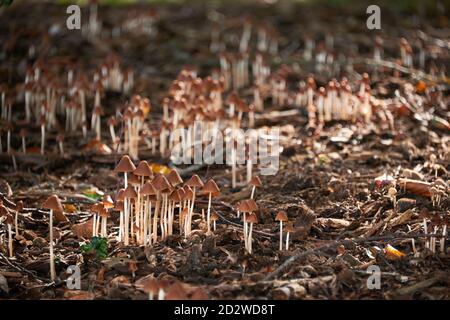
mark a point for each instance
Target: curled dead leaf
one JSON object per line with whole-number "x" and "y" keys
{"x": 83, "y": 230}
{"x": 393, "y": 254}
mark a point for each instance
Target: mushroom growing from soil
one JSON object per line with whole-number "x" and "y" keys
{"x": 289, "y": 228}
{"x": 194, "y": 182}
{"x": 254, "y": 182}
{"x": 211, "y": 189}
{"x": 125, "y": 166}
{"x": 252, "y": 218}
{"x": 281, "y": 217}
{"x": 214, "y": 218}
{"x": 392, "y": 193}
{"x": 53, "y": 204}
{"x": 19, "y": 209}
{"x": 151, "y": 287}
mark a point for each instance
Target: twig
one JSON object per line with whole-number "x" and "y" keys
{"x": 22, "y": 269}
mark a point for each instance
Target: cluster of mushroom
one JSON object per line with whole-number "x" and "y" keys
{"x": 150, "y": 200}
{"x": 282, "y": 217}
{"x": 49, "y": 99}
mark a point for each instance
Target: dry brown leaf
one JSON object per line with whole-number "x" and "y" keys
{"x": 83, "y": 230}
{"x": 393, "y": 254}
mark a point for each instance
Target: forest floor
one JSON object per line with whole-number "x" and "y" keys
{"x": 328, "y": 182}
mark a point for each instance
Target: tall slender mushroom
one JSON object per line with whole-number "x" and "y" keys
{"x": 244, "y": 208}
{"x": 289, "y": 228}
{"x": 252, "y": 218}
{"x": 281, "y": 217}
{"x": 129, "y": 195}
{"x": 146, "y": 191}
{"x": 53, "y": 204}
{"x": 194, "y": 182}
{"x": 254, "y": 182}
{"x": 211, "y": 189}
{"x": 19, "y": 209}
{"x": 142, "y": 171}
{"x": 125, "y": 166}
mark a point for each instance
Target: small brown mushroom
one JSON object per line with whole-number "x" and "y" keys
{"x": 281, "y": 217}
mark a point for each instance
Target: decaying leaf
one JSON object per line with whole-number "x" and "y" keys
{"x": 416, "y": 187}
{"x": 392, "y": 254}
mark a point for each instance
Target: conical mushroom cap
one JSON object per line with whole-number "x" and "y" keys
{"x": 160, "y": 183}
{"x": 143, "y": 169}
{"x": 281, "y": 216}
{"x": 120, "y": 195}
{"x": 151, "y": 285}
{"x": 243, "y": 207}
{"x": 214, "y": 216}
{"x": 130, "y": 193}
{"x": 3, "y": 211}
{"x": 252, "y": 205}
{"x": 125, "y": 165}
{"x": 175, "y": 196}
{"x": 211, "y": 187}
{"x": 194, "y": 181}
{"x": 19, "y": 206}
{"x": 104, "y": 213}
{"x": 174, "y": 178}
{"x": 188, "y": 193}
{"x": 252, "y": 218}
{"x": 53, "y": 203}
{"x": 119, "y": 206}
{"x": 134, "y": 179}
{"x": 148, "y": 189}
{"x": 255, "y": 181}
{"x": 107, "y": 201}
{"x": 289, "y": 228}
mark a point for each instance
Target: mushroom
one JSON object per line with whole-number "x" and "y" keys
{"x": 245, "y": 208}
{"x": 119, "y": 207}
{"x": 151, "y": 287}
{"x": 162, "y": 187}
{"x": 125, "y": 166}
{"x": 214, "y": 218}
{"x": 147, "y": 191}
{"x": 392, "y": 193}
{"x": 129, "y": 194}
{"x": 252, "y": 218}
{"x": 143, "y": 170}
{"x": 107, "y": 204}
{"x": 289, "y": 228}
{"x": 175, "y": 197}
{"x": 53, "y": 204}
{"x": 281, "y": 217}
{"x": 60, "y": 140}
{"x": 194, "y": 182}
{"x": 254, "y": 182}
{"x": 42, "y": 123}
{"x": 19, "y": 209}
{"x": 23, "y": 134}
{"x": 211, "y": 189}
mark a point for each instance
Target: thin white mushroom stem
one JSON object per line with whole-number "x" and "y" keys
{"x": 287, "y": 241}
{"x": 250, "y": 238}
{"x": 192, "y": 210}
{"x": 24, "y": 145}
{"x": 42, "y": 138}
{"x": 253, "y": 192}
{"x": 61, "y": 147}
{"x": 121, "y": 226}
{"x": 155, "y": 216}
{"x": 214, "y": 225}
{"x": 281, "y": 235}
{"x": 16, "y": 222}
{"x": 10, "y": 241}
{"x": 208, "y": 217}
{"x": 8, "y": 141}
{"x": 113, "y": 133}
{"x": 52, "y": 257}
{"x": 245, "y": 231}
{"x": 94, "y": 223}
{"x": 442, "y": 241}
{"x": 97, "y": 225}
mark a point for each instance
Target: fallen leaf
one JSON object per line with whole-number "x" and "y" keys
{"x": 419, "y": 188}
{"x": 392, "y": 253}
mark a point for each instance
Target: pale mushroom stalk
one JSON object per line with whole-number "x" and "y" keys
{"x": 250, "y": 238}
{"x": 10, "y": 241}
{"x": 281, "y": 235}
{"x": 287, "y": 240}
{"x": 42, "y": 138}
{"x": 52, "y": 257}
{"x": 24, "y": 145}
